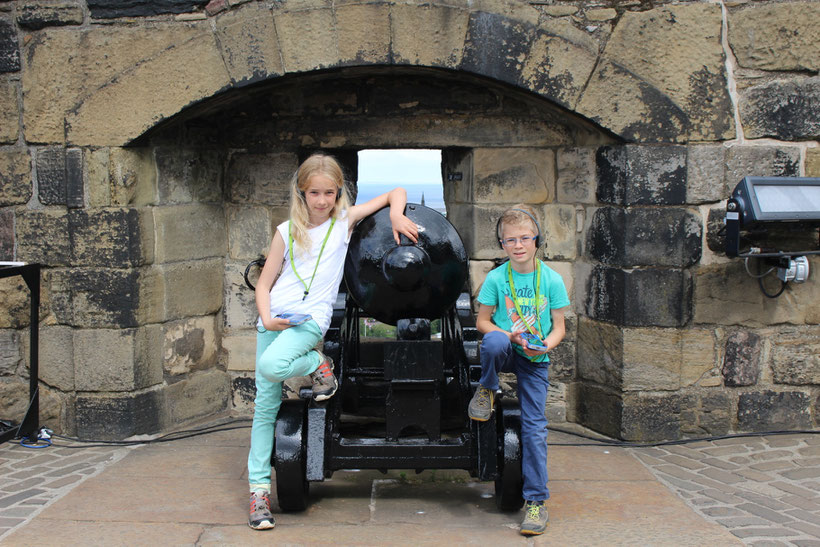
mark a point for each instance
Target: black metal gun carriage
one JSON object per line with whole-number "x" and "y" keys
{"x": 401, "y": 404}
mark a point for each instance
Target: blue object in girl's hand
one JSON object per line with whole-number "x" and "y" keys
{"x": 533, "y": 342}
{"x": 295, "y": 318}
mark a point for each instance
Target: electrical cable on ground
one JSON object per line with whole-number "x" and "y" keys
{"x": 47, "y": 436}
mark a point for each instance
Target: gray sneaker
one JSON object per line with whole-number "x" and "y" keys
{"x": 481, "y": 405}
{"x": 536, "y": 518}
{"x": 261, "y": 518}
{"x": 324, "y": 383}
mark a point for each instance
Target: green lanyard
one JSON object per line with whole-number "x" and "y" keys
{"x": 537, "y": 294}
{"x": 318, "y": 258}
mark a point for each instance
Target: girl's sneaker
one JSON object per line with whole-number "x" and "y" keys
{"x": 261, "y": 518}
{"x": 324, "y": 383}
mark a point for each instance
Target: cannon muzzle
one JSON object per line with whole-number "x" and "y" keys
{"x": 391, "y": 282}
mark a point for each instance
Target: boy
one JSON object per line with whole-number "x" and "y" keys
{"x": 523, "y": 296}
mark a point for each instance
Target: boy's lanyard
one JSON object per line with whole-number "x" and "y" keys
{"x": 318, "y": 258}
{"x": 537, "y": 294}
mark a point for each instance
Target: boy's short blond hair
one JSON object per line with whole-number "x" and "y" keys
{"x": 518, "y": 215}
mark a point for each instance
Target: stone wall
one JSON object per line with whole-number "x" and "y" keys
{"x": 145, "y": 149}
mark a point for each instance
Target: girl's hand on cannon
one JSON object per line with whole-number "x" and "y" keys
{"x": 403, "y": 225}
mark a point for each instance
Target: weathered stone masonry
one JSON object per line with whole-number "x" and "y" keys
{"x": 145, "y": 149}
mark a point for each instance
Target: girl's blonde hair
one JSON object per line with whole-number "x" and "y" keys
{"x": 316, "y": 164}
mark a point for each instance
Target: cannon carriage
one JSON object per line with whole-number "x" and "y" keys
{"x": 401, "y": 404}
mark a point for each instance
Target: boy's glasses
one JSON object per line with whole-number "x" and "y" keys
{"x": 511, "y": 241}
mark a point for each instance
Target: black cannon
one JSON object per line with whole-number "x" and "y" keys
{"x": 401, "y": 404}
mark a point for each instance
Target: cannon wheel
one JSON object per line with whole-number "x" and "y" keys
{"x": 509, "y": 483}
{"x": 290, "y": 455}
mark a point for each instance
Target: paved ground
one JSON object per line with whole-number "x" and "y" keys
{"x": 754, "y": 491}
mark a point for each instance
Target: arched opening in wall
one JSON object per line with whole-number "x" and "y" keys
{"x": 220, "y": 175}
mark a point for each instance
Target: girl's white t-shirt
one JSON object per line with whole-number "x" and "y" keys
{"x": 286, "y": 294}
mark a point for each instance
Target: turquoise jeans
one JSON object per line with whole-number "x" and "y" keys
{"x": 279, "y": 355}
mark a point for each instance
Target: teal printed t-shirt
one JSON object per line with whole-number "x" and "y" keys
{"x": 496, "y": 292}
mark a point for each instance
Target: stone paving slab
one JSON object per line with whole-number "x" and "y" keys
{"x": 194, "y": 492}
{"x": 762, "y": 489}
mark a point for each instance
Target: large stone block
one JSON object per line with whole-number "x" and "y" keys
{"x": 243, "y": 390}
{"x": 239, "y": 308}
{"x": 132, "y": 177}
{"x": 795, "y": 356}
{"x": 641, "y": 175}
{"x": 760, "y": 161}
{"x": 648, "y": 417}
{"x": 698, "y": 358}
{"x": 503, "y": 175}
{"x": 772, "y": 411}
{"x": 189, "y": 345}
{"x": 600, "y": 409}
{"x": 651, "y": 359}
{"x": 441, "y": 43}
{"x": 563, "y": 363}
{"x": 600, "y": 353}
{"x": 249, "y": 231}
{"x": 187, "y": 73}
{"x": 189, "y": 232}
{"x": 9, "y": 112}
{"x": 110, "y": 9}
{"x": 7, "y": 235}
{"x": 776, "y": 36}
{"x": 476, "y": 226}
{"x": 64, "y": 65}
{"x": 57, "y": 357}
{"x": 15, "y": 176}
{"x": 35, "y": 15}
{"x": 741, "y": 359}
{"x": 497, "y": 45}
{"x": 627, "y": 105}
{"x": 60, "y": 177}
{"x": 241, "y": 351}
{"x": 11, "y": 353}
{"x": 117, "y": 238}
{"x": 15, "y": 303}
{"x": 43, "y": 236}
{"x": 726, "y": 295}
{"x": 185, "y": 175}
{"x": 656, "y": 297}
{"x": 307, "y": 38}
{"x": 558, "y": 229}
{"x": 249, "y": 43}
{"x": 664, "y": 76}
{"x": 14, "y": 399}
{"x": 9, "y": 50}
{"x": 559, "y": 63}
{"x": 706, "y": 173}
{"x": 115, "y": 417}
{"x": 95, "y": 297}
{"x": 706, "y": 414}
{"x": 813, "y": 162}
{"x": 783, "y": 109}
{"x": 363, "y": 33}
{"x": 261, "y": 178}
{"x": 114, "y": 360}
{"x": 198, "y": 395}
{"x": 192, "y": 287}
{"x": 576, "y": 181}
{"x": 641, "y": 236}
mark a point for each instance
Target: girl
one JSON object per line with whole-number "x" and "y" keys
{"x": 308, "y": 254}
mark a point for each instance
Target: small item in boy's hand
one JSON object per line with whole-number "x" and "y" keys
{"x": 533, "y": 342}
{"x": 295, "y": 318}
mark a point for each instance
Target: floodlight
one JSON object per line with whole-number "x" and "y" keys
{"x": 760, "y": 201}
{"x": 762, "y": 207}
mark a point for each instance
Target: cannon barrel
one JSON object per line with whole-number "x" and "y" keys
{"x": 391, "y": 282}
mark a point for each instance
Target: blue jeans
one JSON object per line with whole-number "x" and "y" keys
{"x": 497, "y": 355}
{"x": 279, "y": 355}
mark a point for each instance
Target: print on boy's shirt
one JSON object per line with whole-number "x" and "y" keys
{"x": 526, "y": 305}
